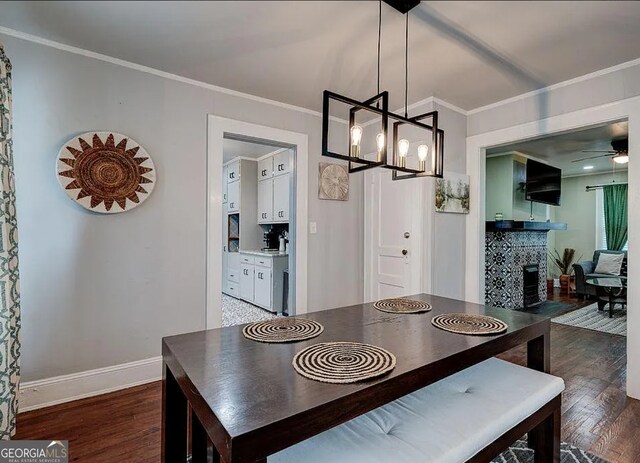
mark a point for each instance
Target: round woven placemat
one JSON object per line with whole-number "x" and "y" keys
{"x": 402, "y": 306}
{"x": 343, "y": 362}
{"x": 286, "y": 329}
{"x": 463, "y": 323}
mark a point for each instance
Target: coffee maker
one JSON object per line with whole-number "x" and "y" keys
{"x": 271, "y": 240}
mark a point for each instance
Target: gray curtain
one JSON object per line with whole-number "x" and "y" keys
{"x": 9, "y": 278}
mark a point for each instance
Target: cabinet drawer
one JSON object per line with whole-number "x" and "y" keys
{"x": 233, "y": 275}
{"x": 233, "y": 288}
{"x": 247, "y": 259}
{"x": 264, "y": 261}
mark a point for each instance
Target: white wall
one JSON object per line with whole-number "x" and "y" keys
{"x": 103, "y": 290}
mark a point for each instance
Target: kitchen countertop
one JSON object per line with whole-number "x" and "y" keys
{"x": 263, "y": 253}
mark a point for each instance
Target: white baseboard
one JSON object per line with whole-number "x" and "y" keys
{"x": 61, "y": 389}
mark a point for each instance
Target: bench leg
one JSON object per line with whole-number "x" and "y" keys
{"x": 544, "y": 439}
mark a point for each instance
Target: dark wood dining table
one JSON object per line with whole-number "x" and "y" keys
{"x": 229, "y": 399}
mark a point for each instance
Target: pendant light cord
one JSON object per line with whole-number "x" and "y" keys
{"x": 379, "y": 35}
{"x": 406, "y": 64}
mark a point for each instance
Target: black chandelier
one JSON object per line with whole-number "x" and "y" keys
{"x": 374, "y": 113}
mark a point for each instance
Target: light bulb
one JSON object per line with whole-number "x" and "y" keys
{"x": 380, "y": 141}
{"x": 621, "y": 158}
{"x": 423, "y": 151}
{"x": 403, "y": 150}
{"x": 356, "y": 136}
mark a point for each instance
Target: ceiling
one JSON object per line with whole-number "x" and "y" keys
{"x": 560, "y": 150}
{"x": 467, "y": 53}
{"x": 235, "y": 148}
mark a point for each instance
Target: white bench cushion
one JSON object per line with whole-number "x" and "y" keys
{"x": 447, "y": 422}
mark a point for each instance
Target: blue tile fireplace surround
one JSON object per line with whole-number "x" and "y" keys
{"x": 509, "y": 247}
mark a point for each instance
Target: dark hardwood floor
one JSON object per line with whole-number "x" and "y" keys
{"x": 124, "y": 426}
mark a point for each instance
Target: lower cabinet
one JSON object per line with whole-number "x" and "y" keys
{"x": 246, "y": 282}
{"x": 262, "y": 287}
{"x": 261, "y": 280}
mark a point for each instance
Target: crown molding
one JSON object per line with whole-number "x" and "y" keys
{"x": 565, "y": 83}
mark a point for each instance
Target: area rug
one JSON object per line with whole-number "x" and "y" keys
{"x": 519, "y": 453}
{"x": 592, "y": 319}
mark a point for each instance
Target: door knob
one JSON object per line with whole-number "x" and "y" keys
{"x": 407, "y": 235}
{"x": 404, "y": 252}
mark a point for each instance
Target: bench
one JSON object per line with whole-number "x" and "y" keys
{"x": 471, "y": 416}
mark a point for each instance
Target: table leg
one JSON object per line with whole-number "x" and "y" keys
{"x": 174, "y": 420}
{"x": 539, "y": 354}
{"x": 610, "y": 303}
{"x": 199, "y": 441}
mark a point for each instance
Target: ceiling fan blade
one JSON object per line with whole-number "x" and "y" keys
{"x": 592, "y": 157}
{"x": 599, "y": 151}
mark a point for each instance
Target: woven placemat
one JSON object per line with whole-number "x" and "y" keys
{"x": 287, "y": 329}
{"x": 463, "y": 323}
{"x": 400, "y": 305}
{"x": 343, "y": 362}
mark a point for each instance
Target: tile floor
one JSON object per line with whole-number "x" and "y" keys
{"x": 237, "y": 312}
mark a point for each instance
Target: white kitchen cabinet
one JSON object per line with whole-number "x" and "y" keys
{"x": 225, "y": 173}
{"x": 246, "y": 282}
{"x": 281, "y": 163}
{"x": 265, "y": 201}
{"x": 233, "y": 193}
{"x": 265, "y": 168}
{"x": 262, "y": 287}
{"x": 233, "y": 171}
{"x": 281, "y": 198}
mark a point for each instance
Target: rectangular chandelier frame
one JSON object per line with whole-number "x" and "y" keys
{"x": 378, "y": 104}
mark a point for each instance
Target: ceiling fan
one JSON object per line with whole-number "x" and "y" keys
{"x": 619, "y": 152}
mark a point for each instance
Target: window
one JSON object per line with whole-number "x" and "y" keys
{"x": 601, "y": 233}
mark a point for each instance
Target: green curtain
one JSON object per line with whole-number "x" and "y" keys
{"x": 9, "y": 278}
{"x": 616, "y": 214}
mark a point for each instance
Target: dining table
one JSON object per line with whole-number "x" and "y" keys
{"x": 226, "y": 398}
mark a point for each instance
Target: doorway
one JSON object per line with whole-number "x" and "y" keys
{"x": 476, "y": 168}
{"x": 224, "y": 219}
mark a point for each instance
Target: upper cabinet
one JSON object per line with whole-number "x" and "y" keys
{"x": 265, "y": 201}
{"x": 281, "y": 198}
{"x": 281, "y": 163}
{"x": 265, "y": 168}
{"x": 233, "y": 171}
{"x": 233, "y": 195}
{"x": 225, "y": 175}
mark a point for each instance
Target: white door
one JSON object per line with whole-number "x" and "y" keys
{"x": 262, "y": 288}
{"x": 281, "y": 198}
{"x": 393, "y": 224}
{"x": 246, "y": 282}
{"x": 265, "y": 201}
{"x": 233, "y": 203}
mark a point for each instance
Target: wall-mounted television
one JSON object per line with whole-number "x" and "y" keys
{"x": 543, "y": 183}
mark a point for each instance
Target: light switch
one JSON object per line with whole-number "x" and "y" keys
{"x": 313, "y": 228}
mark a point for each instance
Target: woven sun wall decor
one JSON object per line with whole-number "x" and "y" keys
{"x": 333, "y": 181}
{"x": 105, "y": 172}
